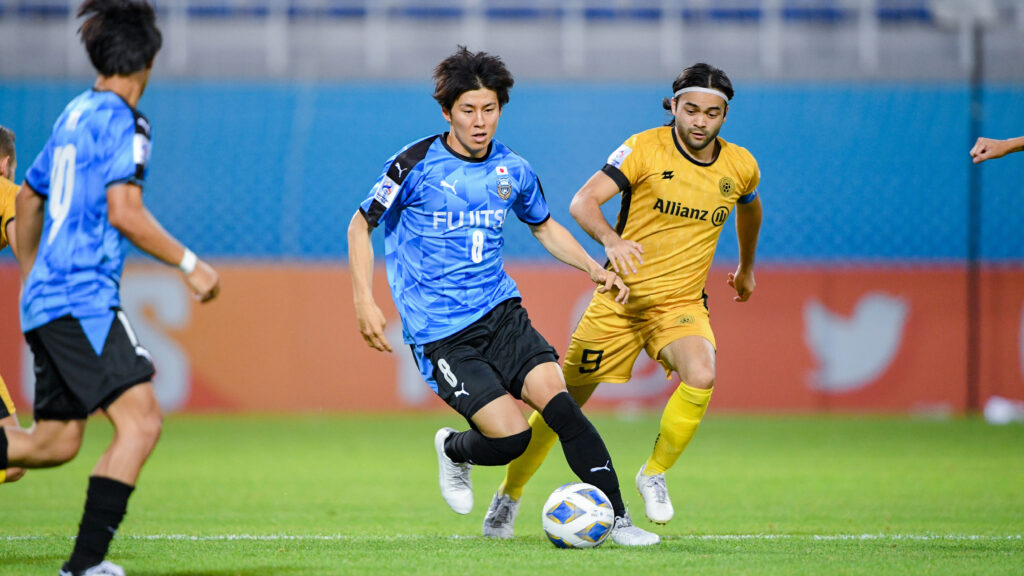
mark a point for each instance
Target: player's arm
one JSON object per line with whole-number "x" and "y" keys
{"x": 130, "y": 217}
{"x": 562, "y": 245}
{"x": 586, "y": 209}
{"x": 987, "y": 148}
{"x": 360, "y": 262}
{"x": 12, "y": 240}
{"x": 25, "y": 242}
{"x": 748, "y": 226}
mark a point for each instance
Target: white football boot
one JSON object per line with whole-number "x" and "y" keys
{"x": 625, "y": 534}
{"x": 456, "y": 485}
{"x": 501, "y": 517}
{"x": 653, "y": 490}
{"x": 105, "y": 568}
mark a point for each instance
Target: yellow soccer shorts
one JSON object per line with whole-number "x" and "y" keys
{"x": 608, "y": 340}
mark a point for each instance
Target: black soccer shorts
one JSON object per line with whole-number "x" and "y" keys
{"x": 72, "y": 381}
{"x": 487, "y": 359}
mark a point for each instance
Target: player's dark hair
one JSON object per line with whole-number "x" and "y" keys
{"x": 465, "y": 71}
{"x": 700, "y": 75}
{"x": 7, "y": 143}
{"x": 120, "y": 36}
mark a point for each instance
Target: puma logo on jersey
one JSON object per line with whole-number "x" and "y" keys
{"x": 398, "y": 166}
{"x": 607, "y": 467}
{"x": 462, "y": 392}
{"x": 452, "y": 186}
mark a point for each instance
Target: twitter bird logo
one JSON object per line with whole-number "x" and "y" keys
{"x": 853, "y": 352}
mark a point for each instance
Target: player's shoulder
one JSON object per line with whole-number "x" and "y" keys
{"x": 508, "y": 158}
{"x": 409, "y": 158}
{"x": 737, "y": 154}
{"x": 106, "y": 113}
{"x": 8, "y": 190}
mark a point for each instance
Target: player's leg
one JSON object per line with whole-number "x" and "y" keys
{"x": 8, "y": 419}
{"x": 583, "y": 447}
{"x": 104, "y": 367}
{"x": 519, "y": 471}
{"x": 693, "y": 358}
{"x": 137, "y": 420}
{"x": 457, "y": 372}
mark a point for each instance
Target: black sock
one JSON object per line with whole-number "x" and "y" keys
{"x": 472, "y": 446}
{"x": 105, "y": 504}
{"x": 3, "y": 449}
{"x": 583, "y": 447}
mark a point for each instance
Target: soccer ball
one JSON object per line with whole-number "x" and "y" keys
{"x": 577, "y": 516}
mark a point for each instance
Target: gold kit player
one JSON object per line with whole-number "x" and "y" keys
{"x": 678, "y": 183}
{"x": 8, "y": 190}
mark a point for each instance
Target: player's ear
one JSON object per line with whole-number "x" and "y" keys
{"x": 447, "y": 114}
{"x": 5, "y": 162}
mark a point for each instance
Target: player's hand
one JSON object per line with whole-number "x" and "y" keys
{"x": 204, "y": 282}
{"x": 621, "y": 253}
{"x": 372, "y": 325}
{"x": 743, "y": 282}
{"x": 608, "y": 280}
{"x": 988, "y": 149}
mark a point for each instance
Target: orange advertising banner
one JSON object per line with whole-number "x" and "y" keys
{"x": 285, "y": 338}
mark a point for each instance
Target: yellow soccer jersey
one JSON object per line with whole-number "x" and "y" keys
{"x": 675, "y": 206}
{"x": 8, "y": 190}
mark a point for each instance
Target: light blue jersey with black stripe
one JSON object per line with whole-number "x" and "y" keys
{"x": 97, "y": 142}
{"x": 443, "y": 215}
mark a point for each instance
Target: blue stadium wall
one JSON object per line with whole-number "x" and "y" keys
{"x": 863, "y": 173}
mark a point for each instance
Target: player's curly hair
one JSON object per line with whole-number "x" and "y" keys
{"x": 465, "y": 71}
{"x": 703, "y": 76}
{"x": 120, "y": 36}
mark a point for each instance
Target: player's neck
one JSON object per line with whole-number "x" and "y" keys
{"x": 129, "y": 88}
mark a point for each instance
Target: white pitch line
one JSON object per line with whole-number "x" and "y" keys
{"x": 399, "y": 537}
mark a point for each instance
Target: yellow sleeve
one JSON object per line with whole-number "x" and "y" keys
{"x": 8, "y": 190}
{"x": 627, "y": 165}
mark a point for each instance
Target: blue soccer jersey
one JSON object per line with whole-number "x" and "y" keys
{"x": 443, "y": 215}
{"x": 97, "y": 142}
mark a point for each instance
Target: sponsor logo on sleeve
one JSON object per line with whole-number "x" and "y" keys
{"x": 619, "y": 156}
{"x": 141, "y": 149}
{"x": 387, "y": 189}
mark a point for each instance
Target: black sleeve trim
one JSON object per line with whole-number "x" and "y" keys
{"x": 141, "y": 127}
{"x": 617, "y": 176}
{"x": 409, "y": 158}
{"x": 546, "y": 218}
{"x": 372, "y": 218}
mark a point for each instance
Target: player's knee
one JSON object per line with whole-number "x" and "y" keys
{"x": 509, "y": 448}
{"x": 148, "y": 427}
{"x": 57, "y": 451}
{"x": 701, "y": 378}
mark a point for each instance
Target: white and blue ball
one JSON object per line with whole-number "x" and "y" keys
{"x": 577, "y": 515}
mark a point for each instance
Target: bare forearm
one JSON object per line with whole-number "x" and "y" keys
{"x": 360, "y": 258}
{"x": 146, "y": 233}
{"x": 561, "y": 244}
{"x": 587, "y": 213}
{"x": 748, "y": 227}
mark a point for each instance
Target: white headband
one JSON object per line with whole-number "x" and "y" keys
{"x": 712, "y": 91}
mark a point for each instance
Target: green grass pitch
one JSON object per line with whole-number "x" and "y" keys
{"x": 334, "y": 494}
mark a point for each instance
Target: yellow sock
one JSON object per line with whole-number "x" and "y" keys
{"x": 520, "y": 470}
{"x": 679, "y": 422}
{"x": 3, "y": 476}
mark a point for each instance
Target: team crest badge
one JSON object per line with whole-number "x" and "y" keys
{"x": 726, "y": 186}
{"x": 504, "y": 183}
{"x": 686, "y": 320}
